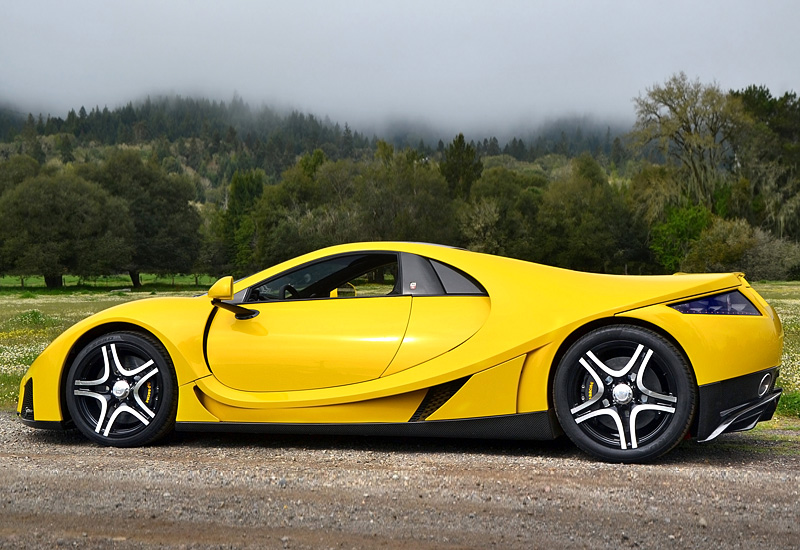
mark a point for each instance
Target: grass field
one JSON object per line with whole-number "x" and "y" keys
{"x": 73, "y": 283}
{"x": 32, "y": 317}
{"x": 784, "y": 296}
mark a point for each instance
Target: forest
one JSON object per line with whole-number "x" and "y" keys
{"x": 704, "y": 180}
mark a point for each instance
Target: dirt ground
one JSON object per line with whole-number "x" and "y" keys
{"x": 235, "y": 491}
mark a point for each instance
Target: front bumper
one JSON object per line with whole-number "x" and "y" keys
{"x": 25, "y": 410}
{"x": 737, "y": 404}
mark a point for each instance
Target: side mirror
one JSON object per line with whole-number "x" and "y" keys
{"x": 222, "y": 289}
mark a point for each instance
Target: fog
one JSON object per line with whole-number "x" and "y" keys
{"x": 457, "y": 65}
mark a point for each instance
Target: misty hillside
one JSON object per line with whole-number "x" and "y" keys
{"x": 705, "y": 180}
{"x": 275, "y": 138}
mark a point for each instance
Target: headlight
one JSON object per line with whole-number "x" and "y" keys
{"x": 728, "y": 303}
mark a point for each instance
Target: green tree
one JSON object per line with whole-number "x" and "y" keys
{"x": 618, "y": 153}
{"x": 347, "y": 147}
{"x": 461, "y": 167}
{"x": 336, "y": 181}
{"x": 585, "y": 167}
{"x": 31, "y": 144}
{"x": 653, "y": 190}
{"x": 692, "y": 125}
{"x": 671, "y": 240}
{"x": 166, "y": 238}
{"x": 720, "y": 247}
{"x": 493, "y": 147}
{"x": 768, "y": 167}
{"x": 245, "y": 190}
{"x": 15, "y": 170}
{"x": 583, "y": 222}
{"x": 401, "y": 197}
{"x": 478, "y": 224}
{"x": 64, "y": 148}
{"x": 54, "y": 225}
{"x": 514, "y": 197}
{"x": 238, "y": 226}
{"x": 310, "y": 162}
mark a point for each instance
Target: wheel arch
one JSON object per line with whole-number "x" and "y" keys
{"x": 82, "y": 341}
{"x": 690, "y": 421}
{"x": 585, "y": 329}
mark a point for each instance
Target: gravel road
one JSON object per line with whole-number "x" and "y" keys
{"x": 235, "y": 491}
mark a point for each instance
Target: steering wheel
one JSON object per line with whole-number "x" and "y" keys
{"x": 292, "y": 291}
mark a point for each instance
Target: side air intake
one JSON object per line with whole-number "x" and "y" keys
{"x": 26, "y": 412}
{"x": 436, "y": 397}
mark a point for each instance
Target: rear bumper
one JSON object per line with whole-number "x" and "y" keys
{"x": 737, "y": 404}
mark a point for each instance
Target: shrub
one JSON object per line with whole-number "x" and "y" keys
{"x": 771, "y": 258}
{"x": 720, "y": 247}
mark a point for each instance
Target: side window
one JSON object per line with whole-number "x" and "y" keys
{"x": 427, "y": 277}
{"x": 419, "y": 278}
{"x": 456, "y": 281}
{"x": 352, "y": 275}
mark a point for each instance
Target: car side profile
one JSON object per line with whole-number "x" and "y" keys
{"x": 389, "y": 338}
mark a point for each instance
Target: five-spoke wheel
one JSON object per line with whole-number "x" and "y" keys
{"x": 121, "y": 390}
{"x": 624, "y": 394}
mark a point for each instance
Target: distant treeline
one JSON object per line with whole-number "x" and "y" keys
{"x": 704, "y": 181}
{"x": 267, "y": 139}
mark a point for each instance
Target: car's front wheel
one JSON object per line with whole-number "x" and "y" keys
{"x": 624, "y": 394}
{"x": 121, "y": 390}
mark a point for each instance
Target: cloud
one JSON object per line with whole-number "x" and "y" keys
{"x": 455, "y": 64}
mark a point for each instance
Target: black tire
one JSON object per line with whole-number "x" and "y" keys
{"x": 121, "y": 390}
{"x": 616, "y": 374}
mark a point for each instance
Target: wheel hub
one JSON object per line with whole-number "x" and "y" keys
{"x": 121, "y": 389}
{"x": 623, "y": 394}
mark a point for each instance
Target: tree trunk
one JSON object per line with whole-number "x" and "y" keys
{"x": 54, "y": 281}
{"x": 135, "y": 278}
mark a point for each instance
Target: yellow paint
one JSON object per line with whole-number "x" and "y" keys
{"x": 397, "y": 408}
{"x": 176, "y": 322}
{"x": 489, "y": 393}
{"x": 190, "y": 407}
{"x": 346, "y": 356}
{"x": 222, "y": 289}
{"x": 533, "y": 390}
{"x": 438, "y": 324}
{"x": 305, "y": 344}
{"x": 719, "y": 346}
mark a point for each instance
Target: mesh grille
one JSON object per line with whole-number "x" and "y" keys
{"x": 27, "y": 401}
{"x": 436, "y": 397}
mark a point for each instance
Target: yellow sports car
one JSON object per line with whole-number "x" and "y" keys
{"x": 424, "y": 340}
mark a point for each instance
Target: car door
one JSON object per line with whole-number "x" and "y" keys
{"x": 333, "y": 322}
{"x": 449, "y": 307}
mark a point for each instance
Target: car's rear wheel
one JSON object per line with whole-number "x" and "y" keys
{"x": 121, "y": 390}
{"x": 624, "y": 394}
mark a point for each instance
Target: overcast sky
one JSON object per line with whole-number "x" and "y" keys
{"x": 458, "y": 64}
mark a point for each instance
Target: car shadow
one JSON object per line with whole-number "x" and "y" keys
{"x": 761, "y": 447}
{"x": 560, "y": 447}
{"x": 754, "y": 447}
{"x": 728, "y": 449}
